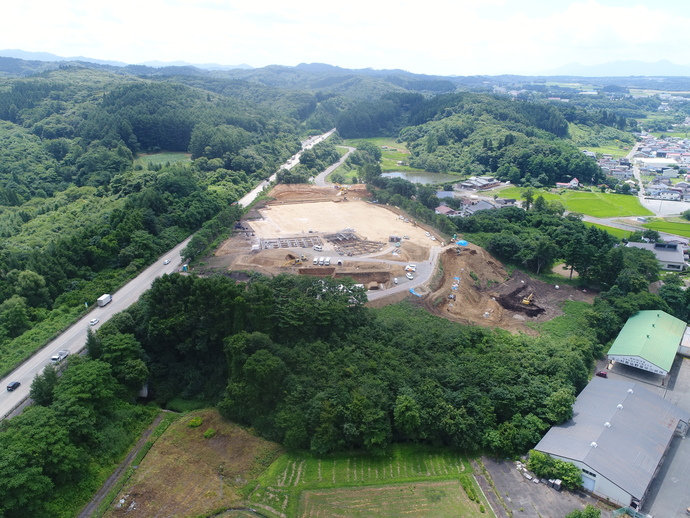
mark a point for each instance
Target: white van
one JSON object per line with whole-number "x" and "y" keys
{"x": 321, "y": 261}
{"x": 327, "y": 261}
{"x": 318, "y": 248}
{"x": 316, "y": 260}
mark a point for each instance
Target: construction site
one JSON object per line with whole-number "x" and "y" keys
{"x": 308, "y": 230}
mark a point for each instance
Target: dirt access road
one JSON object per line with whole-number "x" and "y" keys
{"x": 484, "y": 292}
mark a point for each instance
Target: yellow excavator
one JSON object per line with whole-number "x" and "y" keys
{"x": 527, "y": 301}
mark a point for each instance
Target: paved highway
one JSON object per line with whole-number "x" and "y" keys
{"x": 74, "y": 338}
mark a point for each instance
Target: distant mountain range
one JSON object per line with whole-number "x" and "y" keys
{"x": 621, "y": 69}
{"x": 47, "y": 56}
{"x": 661, "y": 68}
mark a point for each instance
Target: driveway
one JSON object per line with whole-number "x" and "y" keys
{"x": 526, "y": 499}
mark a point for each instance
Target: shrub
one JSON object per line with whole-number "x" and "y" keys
{"x": 195, "y": 422}
{"x": 208, "y": 434}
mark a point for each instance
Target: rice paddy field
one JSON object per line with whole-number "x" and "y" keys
{"x": 597, "y": 204}
{"x": 680, "y": 229}
{"x": 410, "y": 481}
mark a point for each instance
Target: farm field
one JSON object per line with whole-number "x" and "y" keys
{"x": 681, "y": 229}
{"x": 597, "y": 204}
{"x": 617, "y": 232}
{"x": 181, "y": 474}
{"x": 427, "y": 481}
{"x": 445, "y": 499}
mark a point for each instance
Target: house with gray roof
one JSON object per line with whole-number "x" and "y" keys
{"x": 619, "y": 436}
{"x": 669, "y": 255}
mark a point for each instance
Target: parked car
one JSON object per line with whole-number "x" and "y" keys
{"x": 167, "y": 261}
{"x": 12, "y": 386}
{"x": 409, "y": 275}
{"x": 93, "y": 321}
{"x": 603, "y": 374}
{"x": 411, "y": 268}
{"x": 395, "y": 280}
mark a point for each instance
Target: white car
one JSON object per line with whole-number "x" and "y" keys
{"x": 409, "y": 275}
{"x": 395, "y": 280}
{"x": 411, "y": 268}
{"x": 93, "y": 321}
{"x": 167, "y": 261}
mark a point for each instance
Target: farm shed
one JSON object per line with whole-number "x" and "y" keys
{"x": 619, "y": 436}
{"x": 649, "y": 340}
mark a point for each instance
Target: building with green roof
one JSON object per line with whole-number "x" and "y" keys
{"x": 649, "y": 340}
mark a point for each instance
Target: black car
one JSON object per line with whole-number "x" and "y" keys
{"x": 12, "y": 386}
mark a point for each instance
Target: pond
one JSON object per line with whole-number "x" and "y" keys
{"x": 423, "y": 177}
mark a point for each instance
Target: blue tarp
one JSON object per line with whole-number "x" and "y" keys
{"x": 462, "y": 242}
{"x": 414, "y": 292}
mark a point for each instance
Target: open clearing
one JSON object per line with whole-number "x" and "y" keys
{"x": 181, "y": 474}
{"x": 432, "y": 499}
{"x": 484, "y": 292}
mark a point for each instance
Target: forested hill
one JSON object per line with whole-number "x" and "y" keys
{"x": 477, "y": 134}
{"x": 79, "y": 215}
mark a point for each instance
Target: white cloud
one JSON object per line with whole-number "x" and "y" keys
{"x": 437, "y": 36}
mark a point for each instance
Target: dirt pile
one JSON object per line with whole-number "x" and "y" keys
{"x": 476, "y": 289}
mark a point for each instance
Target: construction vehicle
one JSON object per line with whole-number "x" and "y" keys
{"x": 293, "y": 262}
{"x": 303, "y": 257}
{"x": 527, "y": 301}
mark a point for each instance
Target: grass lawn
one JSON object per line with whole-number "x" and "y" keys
{"x": 425, "y": 479}
{"x": 162, "y": 158}
{"x": 597, "y": 204}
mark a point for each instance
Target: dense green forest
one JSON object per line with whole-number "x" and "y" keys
{"x": 475, "y": 134}
{"x": 78, "y": 218}
{"x": 299, "y": 359}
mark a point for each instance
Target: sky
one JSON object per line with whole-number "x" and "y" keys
{"x": 439, "y": 37}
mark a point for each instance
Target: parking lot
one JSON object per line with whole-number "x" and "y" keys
{"x": 669, "y": 493}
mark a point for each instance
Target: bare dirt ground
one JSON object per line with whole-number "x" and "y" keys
{"x": 484, "y": 292}
{"x": 185, "y": 474}
{"x": 300, "y": 211}
{"x": 486, "y": 295}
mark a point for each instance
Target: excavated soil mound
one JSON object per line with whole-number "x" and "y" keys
{"x": 476, "y": 289}
{"x": 301, "y": 193}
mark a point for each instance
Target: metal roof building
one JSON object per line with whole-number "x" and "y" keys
{"x": 669, "y": 255}
{"x": 618, "y": 436}
{"x": 649, "y": 340}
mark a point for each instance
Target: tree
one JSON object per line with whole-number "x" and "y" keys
{"x": 43, "y": 386}
{"x": 559, "y": 406}
{"x": 588, "y": 512}
{"x": 528, "y": 196}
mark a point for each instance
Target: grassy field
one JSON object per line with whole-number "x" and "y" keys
{"x": 681, "y": 229}
{"x": 196, "y": 471}
{"x": 191, "y": 471}
{"x": 617, "y": 232}
{"x": 444, "y": 499}
{"x": 597, "y": 204}
{"x": 393, "y": 153}
{"x": 162, "y": 159}
{"x": 302, "y": 485}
